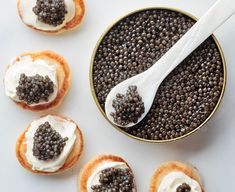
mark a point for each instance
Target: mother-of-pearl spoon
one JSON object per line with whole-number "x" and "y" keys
{"x": 149, "y": 81}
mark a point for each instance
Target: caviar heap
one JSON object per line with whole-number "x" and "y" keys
{"x": 48, "y": 144}
{"x": 128, "y": 108}
{"x": 183, "y": 188}
{"x": 115, "y": 180}
{"x": 51, "y": 12}
{"x": 186, "y": 97}
{"x": 33, "y": 89}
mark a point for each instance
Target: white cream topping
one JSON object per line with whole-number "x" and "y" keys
{"x": 174, "y": 179}
{"x": 30, "y": 68}
{"x": 65, "y": 128}
{"x": 30, "y": 18}
{"x": 94, "y": 178}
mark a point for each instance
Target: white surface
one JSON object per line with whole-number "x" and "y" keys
{"x": 211, "y": 149}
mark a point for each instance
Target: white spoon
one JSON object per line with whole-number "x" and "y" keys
{"x": 149, "y": 81}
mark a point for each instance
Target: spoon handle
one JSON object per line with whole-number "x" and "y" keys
{"x": 201, "y": 30}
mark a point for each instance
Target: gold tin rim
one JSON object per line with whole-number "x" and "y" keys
{"x": 92, "y": 84}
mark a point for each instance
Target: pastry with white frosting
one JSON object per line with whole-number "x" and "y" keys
{"x": 175, "y": 176}
{"x": 37, "y": 81}
{"x": 51, "y": 16}
{"x": 49, "y": 145}
{"x": 107, "y": 173}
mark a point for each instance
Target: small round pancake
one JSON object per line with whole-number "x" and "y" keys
{"x": 71, "y": 160}
{"x": 89, "y": 168}
{"x": 73, "y": 24}
{"x": 63, "y": 78}
{"x": 169, "y": 167}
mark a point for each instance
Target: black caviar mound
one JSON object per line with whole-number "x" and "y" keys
{"x": 186, "y": 97}
{"x": 128, "y": 108}
{"x": 51, "y": 12}
{"x": 48, "y": 143}
{"x": 115, "y": 180}
{"x": 33, "y": 89}
{"x": 183, "y": 188}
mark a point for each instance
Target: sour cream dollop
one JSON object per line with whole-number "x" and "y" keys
{"x": 173, "y": 180}
{"x": 65, "y": 128}
{"x": 30, "y": 18}
{"x": 30, "y": 68}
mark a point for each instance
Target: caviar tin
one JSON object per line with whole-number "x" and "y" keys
{"x": 95, "y": 96}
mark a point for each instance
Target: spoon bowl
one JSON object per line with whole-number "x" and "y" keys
{"x": 142, "y": 89}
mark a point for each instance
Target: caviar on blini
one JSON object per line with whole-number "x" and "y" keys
{"x": 115, "y": 180}
{"x": 33, "y": 89}
{"x": 189, "y": 94}
{"x": 51, "y": 12}
{"x": 183, "y": 188}
{"x": 128, "y": 108}
{"x": 48, "y": 143}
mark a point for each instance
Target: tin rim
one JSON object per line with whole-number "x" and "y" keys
{"x": 92, "y": 83}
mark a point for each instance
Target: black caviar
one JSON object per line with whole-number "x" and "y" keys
{"x": 115, "y": 180}
{"x": 33, "y": 89}
{"x": 183, "y": 188}
{"x": 186, "y": 97}
{"x": 48, "y": 143}
{"x": 128, "y": 108}
{"x": 51, "y": 12}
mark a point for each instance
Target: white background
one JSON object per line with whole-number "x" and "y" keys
{"x": 211, "y": 149}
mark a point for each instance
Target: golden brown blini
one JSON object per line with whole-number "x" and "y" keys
{"x": 70, "y": 25}
{"x": 62, "y": 74}
{"x": 91, "y": 166}
{"x": 174, "y": 166}
{"x": 71, "y": 160}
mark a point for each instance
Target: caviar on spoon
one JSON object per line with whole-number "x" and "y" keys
{"x": 147, "y": 83}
